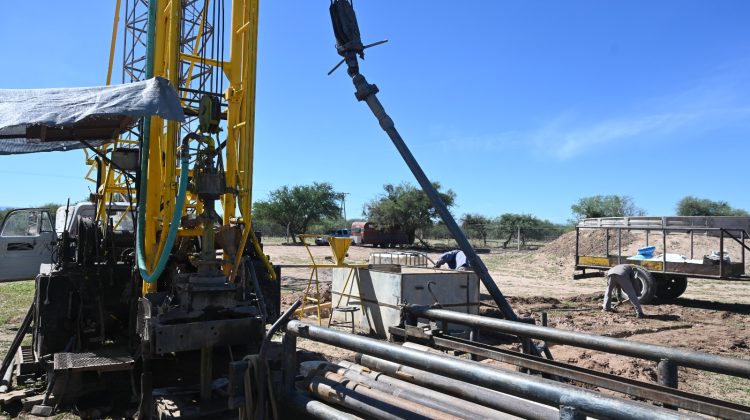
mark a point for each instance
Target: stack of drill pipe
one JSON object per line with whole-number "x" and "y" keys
{"x": 572, "y": 401}
{"x": 498, "y": 400}
{"x": 449, "y": 389}
{"x": 355, "y": 396}
{"x": 416, "y": 394}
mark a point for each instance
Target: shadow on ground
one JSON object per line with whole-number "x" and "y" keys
{"x": 739, "y": 308}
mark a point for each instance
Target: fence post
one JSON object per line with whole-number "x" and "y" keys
{"x": 667, "y": 376}
{"x": 518, "y": 238}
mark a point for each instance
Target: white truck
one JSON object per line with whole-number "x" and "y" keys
{"x": 28, "y": 238}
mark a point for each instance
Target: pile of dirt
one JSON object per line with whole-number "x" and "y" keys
{"x": 590, "y": 242}
{"x": 532, "y": 300}
{"x": 641, "y": 370}
{"x": 289, "y": 296}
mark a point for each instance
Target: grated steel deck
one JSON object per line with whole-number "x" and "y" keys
{"x": 98, "y": 360}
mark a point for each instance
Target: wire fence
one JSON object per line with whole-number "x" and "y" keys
{"x": 493, "y": 236}
{"x": 502, "y": 237}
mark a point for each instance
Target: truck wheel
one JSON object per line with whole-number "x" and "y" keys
{"x": 645, "y": 285}
{"x": 671, "y": 287}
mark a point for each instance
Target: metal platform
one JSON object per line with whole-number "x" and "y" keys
{"x": 106, "y": 360}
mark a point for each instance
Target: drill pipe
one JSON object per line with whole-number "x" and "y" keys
{"x": 411, "y": 408}
{"x": 536, "y": 389}
{"x": 374, "y": 404}
{"x": 410, "y": 392}
{"x": 316, "y": 408}
{"x": 693, "y": 359}
{"x": 487, "y": 398}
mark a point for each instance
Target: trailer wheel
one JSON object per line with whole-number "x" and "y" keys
{"x": 644, "y": 285}
{"x": 671, "y": 287}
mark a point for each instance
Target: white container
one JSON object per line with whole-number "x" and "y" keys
{"x": 381, "y": 294}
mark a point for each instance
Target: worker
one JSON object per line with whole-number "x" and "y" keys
{"x": 622, "y": 276}
{"x": 455, "y": 259}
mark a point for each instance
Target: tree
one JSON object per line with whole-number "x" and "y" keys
{"x": 3, "y": 212}
{"x": 406, "y": 207}
{"x": 477, "y": 226}
{"x": 605, "y": 206}
{"x": 299, "y": 206}
{"x": 694, "y": 206}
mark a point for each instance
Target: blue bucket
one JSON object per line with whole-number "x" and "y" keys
{"x": 647, "y": 251}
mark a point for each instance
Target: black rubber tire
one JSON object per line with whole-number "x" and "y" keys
{"x": 671, "y": 287}
{"x": 644, "y": 285}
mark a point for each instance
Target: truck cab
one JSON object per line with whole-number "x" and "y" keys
{"x": 27, "y": 240}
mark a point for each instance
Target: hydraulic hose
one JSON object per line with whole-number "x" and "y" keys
{"x": 173, "y": 225}
{"x": 145, "y": 145}
{"x": 143, "y": 187}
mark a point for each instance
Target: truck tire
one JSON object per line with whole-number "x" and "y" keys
{"x": 671, "y": 287}
{"x": 644, "y": 285}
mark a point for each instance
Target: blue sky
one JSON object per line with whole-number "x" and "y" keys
{"x": 516, "y": 106}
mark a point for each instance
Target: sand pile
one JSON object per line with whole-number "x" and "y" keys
{"x": 591, "y": 242}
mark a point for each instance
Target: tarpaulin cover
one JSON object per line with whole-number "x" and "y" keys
{"x": 95, "y": 114}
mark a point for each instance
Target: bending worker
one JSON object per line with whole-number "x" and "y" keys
{"x": 455, "y": 259}
{"x": 622, "y": 276}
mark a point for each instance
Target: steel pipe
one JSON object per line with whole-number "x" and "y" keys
{"x": 417, "y": 407}
{"x": 316, "y": 408}
{"x": 18, "y": 339}
{"x": 366, "y": 92}
{"x": 371, "y": 403}
{"x": 653, "y": 392}
{"x": 408, "y": 391}
{"x": 536, "y": 389}
{"x": 489, "y": 400}
{"x": 713, "y": 363}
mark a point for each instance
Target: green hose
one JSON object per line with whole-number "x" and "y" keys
{"x": 143, "y": 187}
{"x": 176, "y": 216}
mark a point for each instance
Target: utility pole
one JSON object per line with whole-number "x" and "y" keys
{"x": 342, "y": 197}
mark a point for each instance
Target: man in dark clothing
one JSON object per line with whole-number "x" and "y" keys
{"x": 622, "y": 276}
{"x": 455, "y": 259}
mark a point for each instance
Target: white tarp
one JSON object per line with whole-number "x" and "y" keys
{"x": 61, "y": 108}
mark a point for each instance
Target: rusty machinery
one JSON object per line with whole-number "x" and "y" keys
{"x": 186, "y": 295}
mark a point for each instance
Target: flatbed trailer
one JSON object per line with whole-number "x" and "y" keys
{"x": 659, "y": 276}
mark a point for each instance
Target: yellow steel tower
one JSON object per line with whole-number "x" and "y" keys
{"x": 187, "y": 48}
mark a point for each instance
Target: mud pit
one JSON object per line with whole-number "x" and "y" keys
{"x": 711, "y": 316}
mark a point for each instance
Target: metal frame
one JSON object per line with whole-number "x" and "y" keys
{"x": 189, "y": 54}
{"x": 664, "y": 394}
{"x": 596, "y": 262}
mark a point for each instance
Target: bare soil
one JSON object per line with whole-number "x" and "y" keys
{"x": 711, "y": 316}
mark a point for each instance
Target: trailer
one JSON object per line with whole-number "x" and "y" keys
{"x": 367, "y": 233}
{"x": 663, "y": 274}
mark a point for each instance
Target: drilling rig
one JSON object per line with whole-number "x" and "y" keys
{"x": 181, "y": 299}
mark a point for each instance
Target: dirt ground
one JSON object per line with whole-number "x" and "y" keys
{"x": 711, "y": 316}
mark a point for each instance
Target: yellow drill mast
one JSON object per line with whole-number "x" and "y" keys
{"x": 187, "y": 49}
